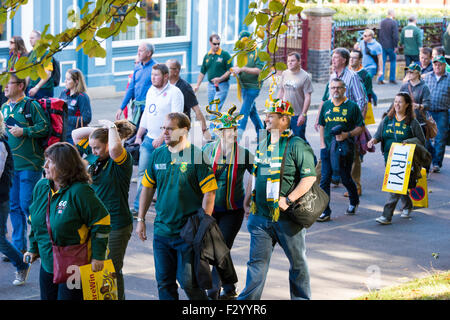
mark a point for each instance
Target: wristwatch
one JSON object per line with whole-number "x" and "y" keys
{"x": 289, "y": 202}
{"x": 140, "y": 219}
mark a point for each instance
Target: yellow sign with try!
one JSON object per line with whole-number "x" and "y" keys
{"x": 398, "y": 168}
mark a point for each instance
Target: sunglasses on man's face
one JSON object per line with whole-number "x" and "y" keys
{"x": 216, "y": 43}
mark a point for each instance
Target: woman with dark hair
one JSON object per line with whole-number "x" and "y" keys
{"x": 76, "y": 216}
{"x": 78, "y": 102}
{"x": 111, "y": 167}
{"x": 17, "y": 50}
{"x": 398, "y": 125}
{"x": 418, "y": 91}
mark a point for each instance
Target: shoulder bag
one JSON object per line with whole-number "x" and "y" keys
{"x": 430, "y": 128}
{"x": 308, "y": 207}
{"x": 65, "y": 257}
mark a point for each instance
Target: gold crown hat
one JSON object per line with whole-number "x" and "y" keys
{"x": 225, "y": 120}
{"x": 278, "y": 105}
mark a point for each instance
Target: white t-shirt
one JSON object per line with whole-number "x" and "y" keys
{"x": 158, "y": 104}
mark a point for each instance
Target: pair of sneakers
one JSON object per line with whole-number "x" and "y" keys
{"x": 406, "y": 213}
{"x": 22, "y": 276}
{"x": 351, "y": 211}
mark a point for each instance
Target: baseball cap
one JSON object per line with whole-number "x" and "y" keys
{"x": 244, "y": 34}
{"x": 414, "y": 66}
{"x": 440, "y": 59}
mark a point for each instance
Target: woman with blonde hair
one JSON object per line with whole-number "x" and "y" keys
{"x": 111, "y": 167}
{"x": 78, "y": 102}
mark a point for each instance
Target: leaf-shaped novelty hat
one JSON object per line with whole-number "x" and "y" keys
{"x": 225, "y": 120}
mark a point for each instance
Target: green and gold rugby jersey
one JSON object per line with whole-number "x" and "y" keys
{"x": 112, "y": 184}
{"x": 27, "y": 150}
{"x": 76, "y": 215}
{"x": 299, "y": 163}
{"x": 229, "y": 174}
{"x": 388, "y": 136}
{"x": 346, "y": 114}
{"x": 180, "y": 180}
{"x": 216, "y": 64}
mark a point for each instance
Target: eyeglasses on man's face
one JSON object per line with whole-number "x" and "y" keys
{"x": 169, "y": 129}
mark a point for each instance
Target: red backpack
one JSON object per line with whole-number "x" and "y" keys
{"x": 56, "y": 110}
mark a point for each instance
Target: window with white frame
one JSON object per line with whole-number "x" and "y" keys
{"x": 228, "y": 24}
{"x": 164, "y": 19}
{"x": 3, "y": 32}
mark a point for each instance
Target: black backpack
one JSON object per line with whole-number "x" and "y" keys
{"x": 56, "y": 73}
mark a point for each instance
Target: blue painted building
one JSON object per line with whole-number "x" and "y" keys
{"x": 178, "y": 28}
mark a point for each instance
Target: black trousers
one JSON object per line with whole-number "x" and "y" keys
{"x": 229, "y": 223}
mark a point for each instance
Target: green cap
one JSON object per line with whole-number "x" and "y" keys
{"x": 440, "y": 59}
{"x": 244, "y": 34}
{"x": 414, "y": 66}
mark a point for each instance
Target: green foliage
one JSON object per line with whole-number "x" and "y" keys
{"x": 270, "y": 17}
{"x": 347, "y": 12}
{"x": 352, "y": 19}
{"x": 96, "y": 21}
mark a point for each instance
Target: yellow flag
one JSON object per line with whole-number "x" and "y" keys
{"x": 239, "y": 94}
{"x": 419, "y": 194}
{"x": 370, "y": 118}
{"x": 101, "y": 285}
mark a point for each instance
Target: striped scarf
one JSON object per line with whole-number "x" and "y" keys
{"x": 232, "y": 169}
{"x": 273, "y": 155}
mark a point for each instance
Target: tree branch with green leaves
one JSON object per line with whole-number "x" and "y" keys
{"x": 94, "y": 23}
{"x": 271, "y": 19}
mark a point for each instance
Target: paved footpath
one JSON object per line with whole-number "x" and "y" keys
{"x": 346, "y": 256}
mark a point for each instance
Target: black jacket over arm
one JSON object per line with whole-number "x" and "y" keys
{"x": 202, "y": 231}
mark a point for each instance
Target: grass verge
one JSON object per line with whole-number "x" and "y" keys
{"x": 433, "y": 287}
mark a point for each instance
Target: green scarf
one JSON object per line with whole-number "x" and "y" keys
{"x": 272, "y": 154}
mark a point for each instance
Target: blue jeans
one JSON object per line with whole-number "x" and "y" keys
{"x": 174, "y": 260}
{"x": 373, "y": 71}
{"x": 145, "y": 151}
{"x": 264, "y": 235}
{"x": 389, "y": 53}
{"x": 20, "y": 199}
{"x": 5, "y": 246}
{"x": 221, "y": 94}
{"x": 436, "y": 146}
{"x": 248, "y": 109}
{"x": 345, "y": 167}
{"x": 298, "y": 131}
